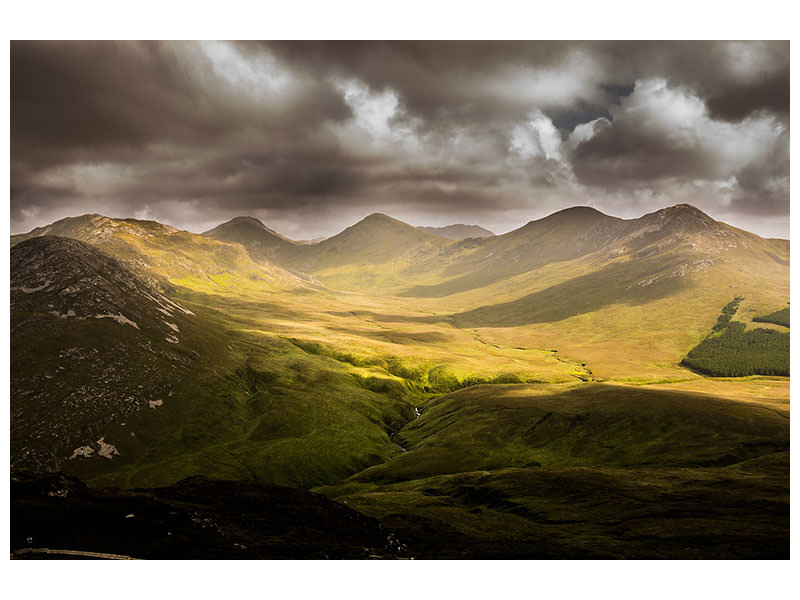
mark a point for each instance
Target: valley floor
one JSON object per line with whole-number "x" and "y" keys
{"x": 575, "y": 470}
{"x": 400, "y": 427}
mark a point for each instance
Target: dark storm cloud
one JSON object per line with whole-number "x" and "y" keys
{"x": 312, "y": 135}
{"x": 454, "y": 79}
{"x": 89, "y": 99}
{"x": 736, "y": 102}
{"x": 661, "y": 137}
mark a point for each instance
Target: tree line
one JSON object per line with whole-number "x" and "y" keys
{"x": 730, "y": 351}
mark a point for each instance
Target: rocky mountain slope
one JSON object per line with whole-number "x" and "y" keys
{"x": 90, "y": 343}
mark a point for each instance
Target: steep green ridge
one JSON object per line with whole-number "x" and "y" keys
{"x": 264, "y": 411}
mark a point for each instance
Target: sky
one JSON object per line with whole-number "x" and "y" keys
{"x": 310, "y": 137}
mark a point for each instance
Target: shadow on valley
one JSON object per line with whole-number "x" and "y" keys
{"x": 195, "y": 518}
{"x": 628, "y": 283}
{"x": 582, "y": 471}
{"x": 464, "y": 283}
{"x": 509, "y": 471}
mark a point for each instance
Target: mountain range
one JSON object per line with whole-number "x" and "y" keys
{"x": 448, "y": 382}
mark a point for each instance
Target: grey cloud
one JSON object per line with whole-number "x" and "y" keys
{"x": 89, "y": 99}
{"x": 192, "y": 133}
{"x": 763, "y": 185}
{"x": 738, "y": 101}
{"x": 661, "y": 136}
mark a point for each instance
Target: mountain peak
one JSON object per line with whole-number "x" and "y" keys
{"x": 578, "y": 210}
{"x": 245, "y": 220}
{"x": 683, "y": 208}
{"x": 380, "y": 218}
{"x": 381, "y": 221}
{"x": 232, "y": 230}
{"x": 574, "y": 216}
{"x": 682, "y": 216}
{"x": 261, "y": 242}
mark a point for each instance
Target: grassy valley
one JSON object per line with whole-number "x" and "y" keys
{"x": 568, "y": 389}
{"x": 584, "y": 471}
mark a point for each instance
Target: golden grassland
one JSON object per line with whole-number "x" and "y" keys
{"x": 476, "y": 411}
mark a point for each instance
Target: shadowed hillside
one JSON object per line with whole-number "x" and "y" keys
{"x": 198, "y": 518}
{"x": 261, "y": 242}
{"x": 584, "y": 471}
{"x": 376, "y": 239}
{"x": 91, "y": 343}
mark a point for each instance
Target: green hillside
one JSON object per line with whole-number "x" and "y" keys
{"x": 167, "y": 256}
{"x": 511, "y": 396}
{"x": 584, "y": 471}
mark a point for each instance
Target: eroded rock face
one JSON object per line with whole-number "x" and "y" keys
{"x": 71, "y": 279}
{"x": 90, "y": 343}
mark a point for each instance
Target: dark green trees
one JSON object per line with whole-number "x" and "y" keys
{"x": 730, "y": 351}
